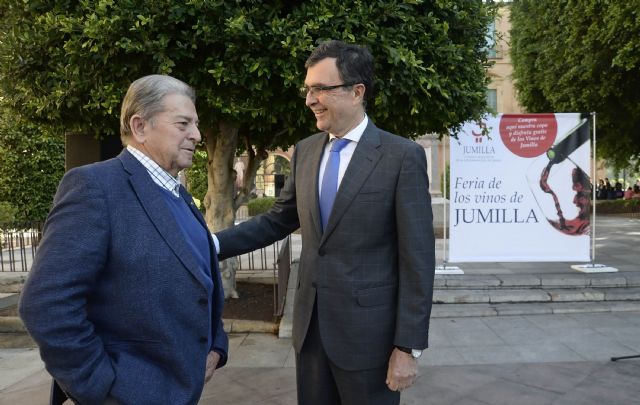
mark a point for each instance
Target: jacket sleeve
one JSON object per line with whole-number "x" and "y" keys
{"x": 221, "y": 344}
{"x": 416, "y": 251}
{"x": 65, "y": 271}
{"x": 265, "y": 229}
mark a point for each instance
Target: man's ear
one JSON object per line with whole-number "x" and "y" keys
{"x": 359, "y": 91}
{"x": 138, "y": 126}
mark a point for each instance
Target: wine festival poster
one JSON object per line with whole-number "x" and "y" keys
{"x": 520, "y": 189}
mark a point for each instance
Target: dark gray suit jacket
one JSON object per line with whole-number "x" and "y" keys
{"x": 115, "y": 299}
{"x": 372, "y": 269}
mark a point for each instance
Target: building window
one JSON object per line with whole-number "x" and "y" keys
{"x": 491, "y": 41}
{"x": 492, "y": 99}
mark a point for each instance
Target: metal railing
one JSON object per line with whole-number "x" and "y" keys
{"x": 18, "y": 244}
{"x": 261, "y": 259}
{"x": 271, "y": 263}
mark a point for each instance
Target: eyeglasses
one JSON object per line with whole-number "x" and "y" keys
{"x": 315, "y": 91}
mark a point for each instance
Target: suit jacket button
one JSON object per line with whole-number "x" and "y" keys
{"x": 321, "y": 252}
{"x": 203, "y": 339}
{"x": 202, "y": 301}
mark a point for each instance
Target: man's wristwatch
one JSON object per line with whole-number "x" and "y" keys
{"x": 415, "y": 353}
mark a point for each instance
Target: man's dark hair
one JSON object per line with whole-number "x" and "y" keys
{"x": 354, "y": 62}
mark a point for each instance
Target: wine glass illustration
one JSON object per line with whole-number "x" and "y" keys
{"x": 559, "y": 172}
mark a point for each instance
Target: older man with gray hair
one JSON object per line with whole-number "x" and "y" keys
{"x": 124, "y": 298}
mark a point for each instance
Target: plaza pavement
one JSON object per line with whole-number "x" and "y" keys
{"x": 522, "y": 359}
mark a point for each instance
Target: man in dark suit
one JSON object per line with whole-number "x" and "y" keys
{"x": 124, "y": 298}
{"x": 360, "y": 196}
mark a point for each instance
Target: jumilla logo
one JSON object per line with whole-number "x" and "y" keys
{"x": 481, "y": 143}
{"x": 478, "y": 135}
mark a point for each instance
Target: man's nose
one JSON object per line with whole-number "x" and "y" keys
{"x": 195, "y": 135}
{"x": 310, "y": 99}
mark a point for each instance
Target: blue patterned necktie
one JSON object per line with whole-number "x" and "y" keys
{"x": 330, "y": 180}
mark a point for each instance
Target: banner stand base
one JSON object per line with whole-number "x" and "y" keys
{"x": 444, "y": 269}
{"x": 594, "y": 268}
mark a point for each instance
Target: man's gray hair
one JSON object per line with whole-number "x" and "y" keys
{"x": 145, "y": 97}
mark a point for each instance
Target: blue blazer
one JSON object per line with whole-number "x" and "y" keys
{"x": 115, "y": 298}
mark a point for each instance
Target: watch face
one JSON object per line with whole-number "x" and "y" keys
{"x": 416, "y": 353}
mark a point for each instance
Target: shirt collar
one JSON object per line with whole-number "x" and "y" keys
{"x": 356, "y": 133}
{"x": 160, "y": 176}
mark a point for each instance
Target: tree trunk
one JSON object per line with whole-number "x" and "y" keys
{"x": 222, "y": 199}
{"x": 249, "y": 175}
{"x": 219, "y": 200}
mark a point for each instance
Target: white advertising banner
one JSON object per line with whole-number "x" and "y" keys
{"x": 522, "y": 193}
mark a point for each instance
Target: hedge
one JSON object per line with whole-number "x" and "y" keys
{"x": 259, "y": 205}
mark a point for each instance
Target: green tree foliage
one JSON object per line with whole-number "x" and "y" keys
{"x": 197, "y": 176}
{"x": 582, "y": 56}
{"x": 70, "y": 62}
{"x": 7, "y": 214}
{"x": 31, "y": 166}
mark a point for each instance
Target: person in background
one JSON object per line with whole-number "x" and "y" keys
{"x": 609, "y": 188}
{"x": 628, "y": 193}
{"x": 618, "y": 191}
{"x": 124, "y": 298}
{"x": 601, "y": 191}
{"x": 360, "y": 196}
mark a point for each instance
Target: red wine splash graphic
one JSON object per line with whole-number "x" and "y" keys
{"x": 580, "y": 225}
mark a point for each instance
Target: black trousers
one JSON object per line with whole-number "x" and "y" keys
{"x": 320, "y": 382}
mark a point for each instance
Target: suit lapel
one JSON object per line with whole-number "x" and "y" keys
{"x": 153, "y": 203}
{"x": 192, "y": 206}
{"x": 196, "y": 213}
{"x": 364, "y": 159}
{"x": 215, "y": 271}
